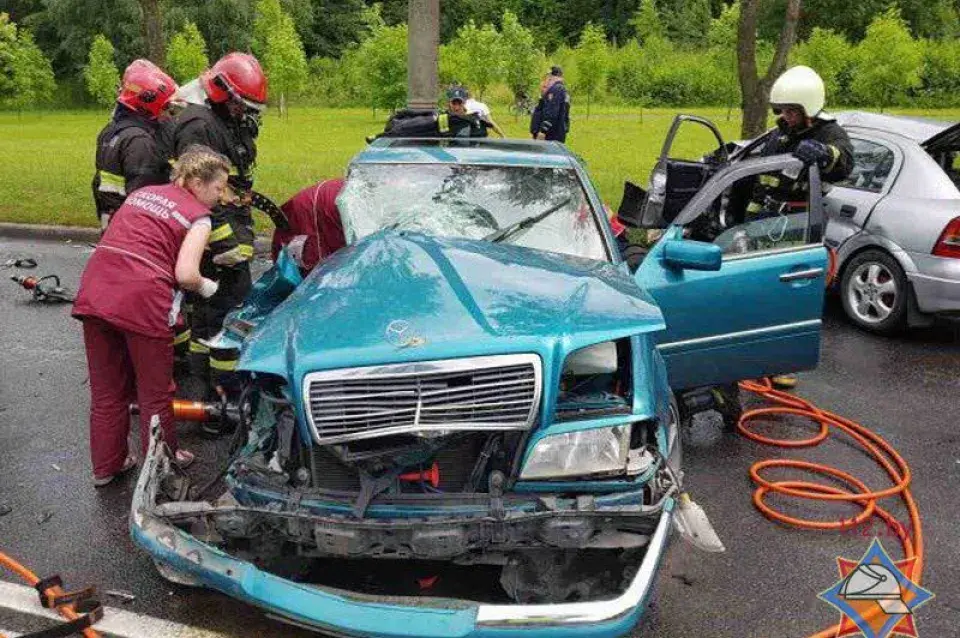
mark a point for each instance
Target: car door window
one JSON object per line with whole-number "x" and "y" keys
{"x": 744, "y": 221}
{"x": 872, "y": 165}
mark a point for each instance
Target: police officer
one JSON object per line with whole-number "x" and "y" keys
{"x": 222, "y": 112}
{"x": 126, "y": 147}
{"x": 551, "y": 117}
{"x": 804, "y": 130}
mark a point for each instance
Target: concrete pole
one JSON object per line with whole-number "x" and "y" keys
{"x": 423, "y": 44}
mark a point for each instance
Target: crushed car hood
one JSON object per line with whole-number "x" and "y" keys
{"x": 401, "y": 296}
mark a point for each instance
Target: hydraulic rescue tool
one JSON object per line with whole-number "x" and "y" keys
{"x": 46, "y": 289}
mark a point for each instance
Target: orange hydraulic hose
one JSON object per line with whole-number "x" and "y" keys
{"x": 911, "y": 537}
{"x": 67, "y": 611}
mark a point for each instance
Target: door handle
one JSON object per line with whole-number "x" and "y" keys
{"x": 848, "y": 210}
{"x": 797, "y": 275}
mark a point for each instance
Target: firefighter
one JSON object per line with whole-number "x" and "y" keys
{"x": 551, "y": 117}
{"x": 804, "y": 130}
{"x": 126, "y": 147}
{"x": 315, "y": 229}
{"x": 222, "y": 111}
{"x": 128, "y": 296}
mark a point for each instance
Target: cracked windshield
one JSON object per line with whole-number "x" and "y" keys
{"x": 473, "y": 202}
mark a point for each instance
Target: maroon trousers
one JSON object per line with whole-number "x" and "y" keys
{"x": 126, "y": 367}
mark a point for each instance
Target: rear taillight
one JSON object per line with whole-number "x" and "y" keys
{"x": 949, "y": 243}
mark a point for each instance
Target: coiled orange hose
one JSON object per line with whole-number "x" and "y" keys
{"x": 872, "y": 443}
{"x": 67, "y": 611}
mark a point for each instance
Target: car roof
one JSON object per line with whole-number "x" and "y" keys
{"x": 917, "y": 129}
{"x": 494, "y": 152}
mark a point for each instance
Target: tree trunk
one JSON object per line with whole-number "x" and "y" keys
{"x": 153, "y": 31}
{"x": 755, "y": 91}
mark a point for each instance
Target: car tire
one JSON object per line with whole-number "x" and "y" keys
{"x": 874, "y": 292}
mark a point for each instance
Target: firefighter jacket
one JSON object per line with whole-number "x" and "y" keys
{"x": 125, "y": 160}
{"x": 232, "y": 221}
{"x": 773, "y": 190}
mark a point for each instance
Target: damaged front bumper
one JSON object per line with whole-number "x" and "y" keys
{"x": 341, "y": 613}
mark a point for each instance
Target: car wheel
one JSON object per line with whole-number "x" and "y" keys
{"x": 874, "y": 292}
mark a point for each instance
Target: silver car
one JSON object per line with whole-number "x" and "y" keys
{"x": 895, "y": 221}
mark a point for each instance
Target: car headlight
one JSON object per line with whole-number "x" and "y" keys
{"x": 581, "y": 453}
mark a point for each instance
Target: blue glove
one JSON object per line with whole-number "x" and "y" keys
{"x": 814, "y": 152}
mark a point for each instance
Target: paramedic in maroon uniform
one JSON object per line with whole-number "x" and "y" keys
{"x": 128, "y": 299}
{"x": 316, "y": 231}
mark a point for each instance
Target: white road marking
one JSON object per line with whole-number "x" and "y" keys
{"x": 116, "y": 622}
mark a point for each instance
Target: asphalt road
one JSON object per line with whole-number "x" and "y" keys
{"x": 766, "y": 584}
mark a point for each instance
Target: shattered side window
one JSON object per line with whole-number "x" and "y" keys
{"x": 472, "y": 201}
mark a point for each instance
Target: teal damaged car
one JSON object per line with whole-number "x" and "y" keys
{"x": 466, "y": 422}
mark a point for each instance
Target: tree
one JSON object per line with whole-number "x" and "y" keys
{"x": 829, "y": 54}
{"x": 226, "y": 25}
{"x": 686, "y": 21}
{"x": 266, "y": 20}
{"x": 26, "y": 77}
{"x": 889, "y": 61}
{"x": 646, "y": 22}
{"x": 592, "y": 61}
{"x": 754, "y": 90}
{"x": 480, "y": 56}
{"x": 284, "y": 60}
{"x": 522, "y": 57}
{"x": 187, "y": 54}
{"x": 722, "y": 39}
{"x": 153, "y": 30}
{"x": 101, "y": 74}
{"x": 383, "y": 56}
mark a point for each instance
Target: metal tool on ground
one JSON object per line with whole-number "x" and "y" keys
{"x": 80, "y": 608}
{"x": 199, "y": 411}
{"x": 46, "y": 289}
{"x": 20, "y": 263}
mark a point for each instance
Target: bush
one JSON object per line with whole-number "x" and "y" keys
{"x": 186, "y": 54}
{"x": 101, "y": 74}
{"x": 940, "y": 77}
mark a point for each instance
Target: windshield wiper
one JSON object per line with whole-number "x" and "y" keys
{"x": 524, "y": 224}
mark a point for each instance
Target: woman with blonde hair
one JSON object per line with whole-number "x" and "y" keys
{"x": 128, "y": 299}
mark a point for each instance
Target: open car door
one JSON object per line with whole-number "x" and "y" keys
{"x": 747, "y": 303}
{"x": 674, "y": 182}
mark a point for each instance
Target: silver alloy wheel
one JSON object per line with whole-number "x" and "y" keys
{"x": 872, "y": 292}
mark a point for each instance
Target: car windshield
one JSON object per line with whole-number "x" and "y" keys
{"x": 472, "y": 201}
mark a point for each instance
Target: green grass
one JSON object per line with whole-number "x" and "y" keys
{"x": 45, "y": 176}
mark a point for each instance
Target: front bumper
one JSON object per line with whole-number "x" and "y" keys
{"x": 343, "y": 613}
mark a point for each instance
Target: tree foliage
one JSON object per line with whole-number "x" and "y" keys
{"x": 686, "y": 21}
{"x": 280, "y": 50}
{"x": 383, "y": 58}
{"x": 888, "y": 61}
{"x": 478, "y": 54}
{"x": 101, "y": 75}
{"x": 187, "y": 54}
{"x": 646, "y": 22}
{"x": 592, "y": 62}
{"x": 26, "y": 77}
{"x": 521, "y": 57}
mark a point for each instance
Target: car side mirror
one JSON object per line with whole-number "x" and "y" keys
{"x": 686, "y": 254}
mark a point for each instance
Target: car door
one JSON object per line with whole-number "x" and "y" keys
{"x": 674, "y": 182}
{"x": 849, "y": 203}
{"x": 752, "y": 310}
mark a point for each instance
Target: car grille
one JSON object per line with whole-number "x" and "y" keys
{"x": 479, "y": 393}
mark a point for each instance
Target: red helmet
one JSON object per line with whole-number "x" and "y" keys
{"x": 146, "y": 89}
{"x": 236, "y": 76}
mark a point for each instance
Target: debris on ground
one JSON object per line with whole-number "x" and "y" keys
{"x": 123, "y": 596}
{"x": 56, "y": 467}
{"x": 5, "y": 509}
{"x": 44, "y": 516}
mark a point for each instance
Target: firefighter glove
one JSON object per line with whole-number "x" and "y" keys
{"x": 814, "y": 152}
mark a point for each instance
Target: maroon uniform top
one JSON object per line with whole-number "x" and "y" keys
{"x": 315, "y": 231}
{"x": 129, "y": 280}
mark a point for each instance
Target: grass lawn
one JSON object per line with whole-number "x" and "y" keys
{"x": 49, "y": 156}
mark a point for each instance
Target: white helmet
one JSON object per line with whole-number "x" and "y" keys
{"x": 799, "y": 85}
